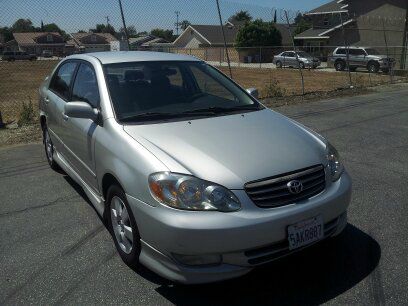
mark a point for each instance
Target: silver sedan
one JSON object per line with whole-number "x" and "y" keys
{"x": 197, "y": 180}
{"x": 296, "y": 59}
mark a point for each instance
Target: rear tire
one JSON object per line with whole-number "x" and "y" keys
{"x": 278, "y": 64}
{"x": 49, "y": 149}
{"x": 339, "y": 65}
{"x": 122, "y": 226}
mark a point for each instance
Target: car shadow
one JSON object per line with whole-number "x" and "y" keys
{"x": 312, "y": 276}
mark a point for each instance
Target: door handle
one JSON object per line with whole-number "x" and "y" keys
{"x": 65, "y": 117}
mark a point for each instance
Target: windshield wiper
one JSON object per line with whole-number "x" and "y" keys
{"x": 217, "y": 110}
{"x": 148, "y": 115}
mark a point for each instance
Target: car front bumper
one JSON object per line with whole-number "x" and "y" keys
{"x": 244, "y": 239}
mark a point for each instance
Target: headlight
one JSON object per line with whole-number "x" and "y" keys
{"x": 335, "y": 165}
{"x": 190, "y": 193}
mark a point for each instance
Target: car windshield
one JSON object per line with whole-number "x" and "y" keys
{"x": 371, "y": 51}
{"x": 143, "y": 91}
{"x": 303, "y": 54}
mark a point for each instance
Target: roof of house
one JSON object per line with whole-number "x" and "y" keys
{"x": 146, "y": 40}
{"x": 320, "y": 33}
{"x": 283, "y": 29}
{"x": 213, "y": 33}
{"x": 330, "y": 7}
{"x": 78, "y": 36}
{"x": 29, "y": 38}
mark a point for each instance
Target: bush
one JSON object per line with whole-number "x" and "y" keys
{"x": 273, "y": 89}
{"x": 27, "y": 115}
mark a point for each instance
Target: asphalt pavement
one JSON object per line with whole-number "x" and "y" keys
{"x": 54, "y": 249}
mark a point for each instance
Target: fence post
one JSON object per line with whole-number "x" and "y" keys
{"x": 390, "y": 72}
{"x": 221, "y": 55}
{"x": 297, "y": 56}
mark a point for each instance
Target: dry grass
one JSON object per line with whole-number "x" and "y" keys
{"x": 289, "y": 80}
{"x": 19, "y": 81}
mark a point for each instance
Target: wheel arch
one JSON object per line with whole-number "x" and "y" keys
{"x": 108, "y": 180}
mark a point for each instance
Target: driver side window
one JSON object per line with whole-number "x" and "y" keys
{"x": 85, "y": 87}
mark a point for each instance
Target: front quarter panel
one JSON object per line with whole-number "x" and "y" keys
{"x": 118, "y": 154}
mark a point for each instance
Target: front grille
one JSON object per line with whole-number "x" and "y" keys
{"x": 273, "y": 191}
{"x": 271, "y": 252}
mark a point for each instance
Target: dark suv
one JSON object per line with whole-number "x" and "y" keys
{"x": 361, "y": 57}
{"x": 18, "y": 55}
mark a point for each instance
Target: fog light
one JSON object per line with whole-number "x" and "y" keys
{"x": 198, "y": 260}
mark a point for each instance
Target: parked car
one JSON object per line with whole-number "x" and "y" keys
{"x": 361, "y": 57}
{"x": 288, "y": 58}
{"x": 196, "y": 179}
{"x": 47, "y": 53}
{"x": 18, "y": 55}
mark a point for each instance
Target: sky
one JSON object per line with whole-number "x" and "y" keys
{"x": 74, "y": 15}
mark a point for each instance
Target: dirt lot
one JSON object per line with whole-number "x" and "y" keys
{"x": 20, "y": 81}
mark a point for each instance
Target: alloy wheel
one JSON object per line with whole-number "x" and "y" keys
{"x": 121, "y": 225}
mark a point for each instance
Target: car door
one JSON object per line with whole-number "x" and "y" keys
{"x": 57, "y": 95}
{"x": 359, "y": 57}
{"x": 291, "y": 59}
{"x": 79, "y": 134}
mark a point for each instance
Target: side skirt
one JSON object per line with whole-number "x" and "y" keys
{"x": 96, "y": 200}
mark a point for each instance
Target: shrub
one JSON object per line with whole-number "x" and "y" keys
{"x": 27, "y": 114}
{"x": 258, "y": 33}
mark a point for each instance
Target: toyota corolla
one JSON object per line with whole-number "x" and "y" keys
{"x": 197, "y": 180}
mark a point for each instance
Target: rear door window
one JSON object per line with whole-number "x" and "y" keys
{"x": 61, "y": 81}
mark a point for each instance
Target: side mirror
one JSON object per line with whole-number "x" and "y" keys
{"x": 253, "y": 92}
{"x": 80, "y": 110}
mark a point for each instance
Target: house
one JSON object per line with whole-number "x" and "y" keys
{"x": 363, "y": 25}
{"x": 94, "y": 42}
{"x": 37, "y": 42}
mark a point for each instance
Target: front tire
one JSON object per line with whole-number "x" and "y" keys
{"x": 373, "y": 67}
{"x": 122, "y": 226}
{"x": 302, "y": 65}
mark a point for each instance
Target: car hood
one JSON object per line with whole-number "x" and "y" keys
{"x": 232, "y": 150}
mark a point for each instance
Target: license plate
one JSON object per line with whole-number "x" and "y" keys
{"x": 305, "y": 232}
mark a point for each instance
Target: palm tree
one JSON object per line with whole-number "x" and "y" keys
{"x": 184, "y": 24}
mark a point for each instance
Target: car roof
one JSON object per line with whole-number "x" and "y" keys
{"x": 111, "y": 57}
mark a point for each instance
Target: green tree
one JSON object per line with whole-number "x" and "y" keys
{"x": 184, "y": 24}
{"x": 241, "y": 16}
{"x": 130, "y": 29}
{"x": 22, "y": 25}
{"x": 103, "y": 28}
{"x": 7, "y": 33}
{"x": 258, "y": 33}
{"x": 165, "y": 34}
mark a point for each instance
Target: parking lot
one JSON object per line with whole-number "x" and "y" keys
{"x": 56, "y": 250}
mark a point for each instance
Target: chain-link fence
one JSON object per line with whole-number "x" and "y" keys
{"x": 352, "y": 45}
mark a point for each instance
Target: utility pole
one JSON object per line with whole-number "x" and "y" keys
{"x": 177, "y": 24}
{"x": 223, "y": 35}
{"x": 107, "y": 21}
{"x": 124, "y": 24}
